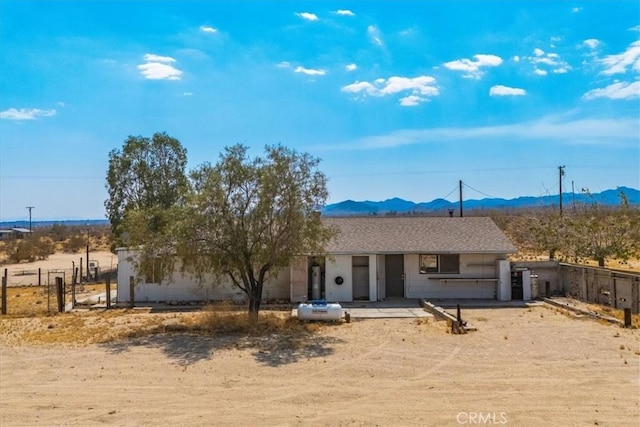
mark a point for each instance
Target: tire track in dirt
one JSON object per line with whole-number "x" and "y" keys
{"x": 440, "y": 364}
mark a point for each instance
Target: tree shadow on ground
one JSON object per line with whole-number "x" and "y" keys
{"x": 273, "y": 349}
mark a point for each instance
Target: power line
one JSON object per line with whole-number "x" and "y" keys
{"x": 450, "y": 192}
{"x": 480, "y": 192}
{"x": 438, "y": 171}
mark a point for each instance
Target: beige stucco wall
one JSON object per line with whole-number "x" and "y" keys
{"x": 187, "y": 288}
{"x": 472, "y": 266}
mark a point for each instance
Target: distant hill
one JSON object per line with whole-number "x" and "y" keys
{"x": 49, "y": 223}
{"x": 606, "y": 198}
{"x": 367, "y": 207}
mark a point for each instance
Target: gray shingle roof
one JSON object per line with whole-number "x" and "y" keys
{"x": 417, "y": 235}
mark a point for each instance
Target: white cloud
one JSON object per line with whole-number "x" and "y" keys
{"x": 472, "y": 68}
{"x": 619, "y": 90}
{"x": 516, "y": 58}
{"x": 374, "y": 35}
{"x": 344, "y": 12}
{"x": 25, "y": 113}
{"x": 590, "y": 131}
{"x": 418, "y": 88}
{"x": 310, "y": 71}
{"x": 636, "y": 28}
{"x": 308, "y": 16}
{"x": 302, "y": 70}
{"x": 157, "y": 67}
{"x": 361, "y": 87}
{"x": 500, "y": 90}
{"x": 351, "y": 67}
{"x": 618, "y": 64}
{"x": 423, "y": 85}
{"x": 150, "y": 57}
{"x": 576, "y": 10}
{"x": 591, "y": 43}
{"x": 411, "y": 101}
{"x": 208, "y": 29}
{"x": 551, "y": 61}
{"x": 187, "y": 93}
{"x": 158, "y": 71}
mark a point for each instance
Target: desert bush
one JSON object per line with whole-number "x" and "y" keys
{"x": 44, "y": 247}
{"x": 225, "y": 318}
{"x": 74, "y": 244}
{"x": 59, "y": 232}
{"x": 28, "y": 249}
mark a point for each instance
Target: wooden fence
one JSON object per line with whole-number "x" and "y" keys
{"x": 614, "y": 288}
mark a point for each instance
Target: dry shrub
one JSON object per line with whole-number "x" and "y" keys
{"x": 271, "y": 329}
{"x": 79, "y": 328}
{"x": 616, "y": 313}
{"x": 32, "y": 301}
{"x": 227, "y": 319}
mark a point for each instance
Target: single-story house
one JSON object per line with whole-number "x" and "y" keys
{"x": 14, "y": 233}
{"x": 371, "y": 259}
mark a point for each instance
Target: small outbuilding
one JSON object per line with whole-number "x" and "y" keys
{"x": 14, "y": 233}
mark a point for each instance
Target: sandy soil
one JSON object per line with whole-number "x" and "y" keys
{"x": 522, "y": 367}
{"x": 26, "y": 273}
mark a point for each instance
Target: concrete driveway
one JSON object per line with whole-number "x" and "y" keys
{"x": 392, "y": 308}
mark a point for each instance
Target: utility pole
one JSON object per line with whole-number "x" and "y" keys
{"x": 460, "y": 185}
{"x": 560, "y": 175}
{"x": 30, "y": 208}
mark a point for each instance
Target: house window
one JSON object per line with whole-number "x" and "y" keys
{"x": 439, "y": 263}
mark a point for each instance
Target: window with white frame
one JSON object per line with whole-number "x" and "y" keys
{"x": 439, "y": 263}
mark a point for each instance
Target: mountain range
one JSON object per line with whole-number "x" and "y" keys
{"x": 401, "y": 206}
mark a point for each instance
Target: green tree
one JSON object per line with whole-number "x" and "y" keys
{"x": 547, "y": 230}
{"x": 247, "y": 217}
{"x": 146, "y": 175}
{"x": 598, "y": 232}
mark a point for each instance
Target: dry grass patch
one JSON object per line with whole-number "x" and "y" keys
{"x": 77, "y": 328}
{"x": 38, "y": 301}
{"x": 615, "y": 313}
{"x": 104, "y": 326}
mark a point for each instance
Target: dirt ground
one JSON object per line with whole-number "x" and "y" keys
{"x": 524, "y": 366}
{"x": 26, "y": 273}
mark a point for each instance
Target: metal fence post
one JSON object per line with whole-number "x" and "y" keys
{"x": 132, "y": 292}
{"x": 4, "y": 292}
{"x": 60, "y": 293}
{"x": 108, "y": 286}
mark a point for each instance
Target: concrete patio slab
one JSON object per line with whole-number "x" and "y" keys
{"x": 381, "y": 313}
{"x": 388, "y": 309}
{"x": 387, "y": 313}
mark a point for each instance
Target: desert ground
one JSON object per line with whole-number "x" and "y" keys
{"x": 523, "y": 367}
{"x": 26, "y": 273}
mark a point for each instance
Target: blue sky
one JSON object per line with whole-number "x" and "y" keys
{"x": 399, "y": 98}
